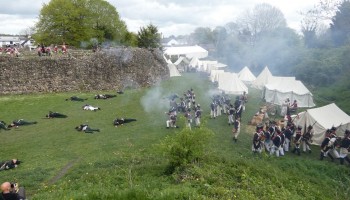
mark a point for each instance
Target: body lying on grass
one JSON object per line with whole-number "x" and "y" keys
{"x": 90, "y": 107}
{"x": 75, "y": 98}
{"x": 120, "y": 121}
{"x": 86, "y": 128}
{"x": 104, "y": 96}
{"x": 9, "y": 164}
{"x": 20, "y": 122}
{"x": 55, "y": 115}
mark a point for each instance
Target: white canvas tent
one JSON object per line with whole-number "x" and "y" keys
{"x": 187, "y": 51}
{"x": 173, "y": 70}
{"x": 207, "y": 65}
{"x": 230, "y": 84}
{"x": 324, "y": 118}
{"x": 262, "y": 79}
{"x": 221, "y": 65}
{"x": 194, "y": 62}
{"x": 214, "y": 74}
{"x": 246, "y": 75}
{"x": 278, "y": 91}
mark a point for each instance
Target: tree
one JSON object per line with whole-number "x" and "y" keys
{"x": 202, "y": 35}
{"x": 130, "y": 39}
{"x": 314, "y": 21}
{"x": 106, "y": 20}
{"x": 149, "y": 37}
{"x": 340, "y": 26}
{"x": 76, "y": 21}
{"x": 308, "y": 28}
{"x": 28, "y": 32}
{"x": 262, "y": 19}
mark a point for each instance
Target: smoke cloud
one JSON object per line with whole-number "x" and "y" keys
{"x": 155, "y": 100}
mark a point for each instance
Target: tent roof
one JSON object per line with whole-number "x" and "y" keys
{"x": 230, "y": 83}
{"x": 173, "y": 70}
{"x": 214, "y": 74}
{"x": 262, "y": 78}
{"x": 285, "y": 85}
{"x": 220, "y": 65}
{"x": 246, "y": 75}
{"x": 329, "y": 115}
{"x": 194, "y": 62}
{"x": 188, "y": 51}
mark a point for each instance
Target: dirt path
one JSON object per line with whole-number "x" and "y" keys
{"x": 63, "y": 171}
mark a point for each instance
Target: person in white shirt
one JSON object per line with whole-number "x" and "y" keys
{"x": 90, "y": 107}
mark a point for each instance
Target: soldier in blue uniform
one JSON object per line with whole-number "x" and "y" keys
{"x": 297, "y": 140}
{"x": 257, "y": 139}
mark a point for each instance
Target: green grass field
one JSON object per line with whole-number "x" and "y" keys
{"x": 127, "y": 163}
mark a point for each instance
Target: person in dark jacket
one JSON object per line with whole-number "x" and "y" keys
{"x": 75, "y": 98}
{"x": 121, "y": 121}
{"x": 86, "y": 128}
{"x": 11, "y": 191}
{"x": 9, "y": 164}
{"x": 55, "y": 115}
{"x": 20, "y": 122}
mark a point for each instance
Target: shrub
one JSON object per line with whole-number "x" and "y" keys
{"x": 186, "y": 147}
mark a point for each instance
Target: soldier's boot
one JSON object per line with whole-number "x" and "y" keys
{"x": 341, "y": 161}
{"x": 294, "y": 150}
{"x": 321, "y": 156}
{"x": 298, "y": 151}
{"x": 332, "y": 159}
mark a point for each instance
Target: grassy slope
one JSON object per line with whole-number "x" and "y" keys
{"x": 124, "y": 163}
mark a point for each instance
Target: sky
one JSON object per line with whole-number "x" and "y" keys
{"x": 172, "y": 17}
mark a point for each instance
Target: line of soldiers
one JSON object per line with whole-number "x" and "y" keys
{"x": 332, "y": 142}
{"x": 278, "y": 141}
{"x": 221, "y": 104}
{"x": 186, "y": 105}
{"x": 275, "y": 140}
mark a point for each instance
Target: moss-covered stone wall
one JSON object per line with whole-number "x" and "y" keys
{"x": 112, "y": 69}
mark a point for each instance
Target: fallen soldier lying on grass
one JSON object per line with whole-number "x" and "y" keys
{"x": 117, "y": 122}
{"x": 9, "y": 164}
{"x": 55, "y": 115}
{"x": 90, "y": 107}
{"x": 20, "y": 122}
{"x": 104, "y": 96}
{"x": 75, "y": 98}
{"x": 86, "y": 128}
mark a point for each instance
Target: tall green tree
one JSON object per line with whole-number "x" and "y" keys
{"x": 76, "y": 21}
{"x": 106, "y": 20}
{"x": 149, "y": 37}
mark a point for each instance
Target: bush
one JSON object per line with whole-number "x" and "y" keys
{"x": 186, "y": 147}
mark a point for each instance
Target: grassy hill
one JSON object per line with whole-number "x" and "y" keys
{"x": 128, "y": 162}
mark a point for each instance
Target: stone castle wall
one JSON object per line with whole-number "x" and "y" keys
{"x": 112, "y": 69}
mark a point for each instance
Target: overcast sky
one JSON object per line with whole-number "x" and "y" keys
{"x": 172, "y": 17}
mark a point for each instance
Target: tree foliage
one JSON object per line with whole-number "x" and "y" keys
{"x": 149, "y": 37}
{"x": 202, "y": 35}
{"x": 262, "y": 19}
{"x": 76, "y": 21}
{"x": 340, "y": 26}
